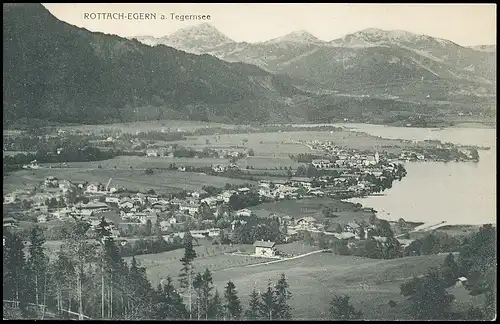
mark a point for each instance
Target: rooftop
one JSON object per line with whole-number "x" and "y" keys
{"x": 266, "y": 244}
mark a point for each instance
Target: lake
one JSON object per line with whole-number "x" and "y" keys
{"x": 455, "y": 192}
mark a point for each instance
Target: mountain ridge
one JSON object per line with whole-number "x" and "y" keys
{"x": 318, "y": 65}
{"x": 58, "y": 71}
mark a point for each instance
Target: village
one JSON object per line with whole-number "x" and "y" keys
{"x": 205, "y": 215}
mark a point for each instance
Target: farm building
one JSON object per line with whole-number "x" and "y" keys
{"x": 244, "y": 213}
{"x": 352, "y": 227}
{"x": 51, "y": 182}
{"x": 306, "y": 221}
{"x": 462, "y": 281}
{"x": 10, "y": 222}
{"x": 236, "y": 223}
{"x": 265, "y": 248}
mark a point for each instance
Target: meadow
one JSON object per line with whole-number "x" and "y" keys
{"x": 267, "y": 163}
{"x": 162, "y": 181}
{"x": 346, "y": 212}
{"x": 314, "y": 280}
{"x": 153, "y": 125}
{"x": 282, "y": 144}
{"x": 144, "y": 162}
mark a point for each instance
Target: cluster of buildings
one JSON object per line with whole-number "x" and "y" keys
{"x": 168, "y": 151}
{"x": 342, "y": 157}
{"x": 92, "y": 201}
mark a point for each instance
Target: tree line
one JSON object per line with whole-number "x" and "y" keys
{"x": 93, "y": 279}
{"x": 476, "y": 267}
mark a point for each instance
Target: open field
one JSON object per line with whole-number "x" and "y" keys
{"x": 316, "y": 278}
{"x": 160, "y": 181}
{"x": 142, "y": 163}
{"x": 281, "y": 144}
{"x": 213, "y": 257}
{"x": 263, "y": 162}
{"x": 172, "y": 125}
{"x": 13, "y": 153}
{"x": 346, "y": 211}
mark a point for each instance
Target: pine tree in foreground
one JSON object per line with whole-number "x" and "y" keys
{"x": 268, "y": 303}
{"x": 340, "y": 309}
{"x": 187, "y": 271}
{"x": 283, "y": 294}
{"x": 232, "y": 302}
{"x": 216, "y": 309}
{"x": 253, "y": 311}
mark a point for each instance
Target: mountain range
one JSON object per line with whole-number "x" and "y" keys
{"x": 372, "y": 61}
{"x": 59, "y": 72}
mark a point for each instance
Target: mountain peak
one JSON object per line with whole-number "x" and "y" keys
{"x": 203, "y": 30}
{"x": 378, "y": 37}
{"x": 299, "y": 36}
{"x": 196, "y": 38}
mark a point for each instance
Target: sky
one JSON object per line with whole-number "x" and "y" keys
{"x": 464, "y": 24}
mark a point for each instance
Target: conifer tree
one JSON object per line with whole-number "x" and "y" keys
{"x": 187, "y": 271}
{"x": 253, "y": 311}
{"x": 216, "y": 309}
{"x": 340, "y": 309}
{"x": 283, "y": 310}
{"x": 268, "y": 303}
{"x": 232, "y": 302}
{"x": 37, "y": 262}
{"x": 206, "y": 291}
{"x": 450, "y": 270}
{"x": 14, "y": 267}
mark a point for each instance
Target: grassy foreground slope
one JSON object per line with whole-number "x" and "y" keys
{"x": 315, "y": 279}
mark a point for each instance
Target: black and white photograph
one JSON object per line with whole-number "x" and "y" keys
{"x": 249, "y": 161}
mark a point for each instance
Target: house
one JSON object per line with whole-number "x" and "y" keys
{"x": 381, "y": 239}
{"x": 159, "y": 205}
{"x": 317, "y": 193}
{"x": 51, "y": 182}
{"x": 287, "y": 219}
{"x": 152, "y": 152}
{"x": 143, "y": 218}
{"x": 219, "y": 168}
{"x": 352, "y": 227}
{"x": 9, "y": 199}
{"x": 92, "y": 188}
{"x": 370, "y": 160}
{"x": 265, "y": 248}
{"x": 210, "y": 201}
{"x": 226, "y": 195}
{"x": 64, "y": 185}
{"x": 237, "y": 223}
{"x": 32, "y": 165}
{"x": 10, "y": 222}
{"x": 321, "y": 164}
{"x": 198, "y": 194}
{"x": 244, "y": 213}
{"x": 306, "y": 222}
{"x": 214, "y": 232}
{"x": 152, "y": 199}
{"x": 462, "y": 281}
{"x": 344, "y": 235}
{"x": 126, "y": 204}
{"x": 80, "y": 185}
{"x": 93, "y": 206}
{"x": 112, "y": 200}
{"x": 164, "y": 225}
{"x": 62, "y": 213}
{"x": 41, "y": 218}
{"x": 191, "y": 209}
{"x": 243, "y": 190}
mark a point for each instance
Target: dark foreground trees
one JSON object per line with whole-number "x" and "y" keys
{"x": 341, "y": 309}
